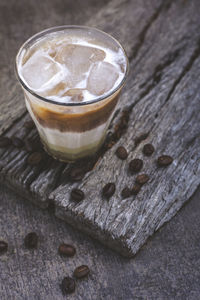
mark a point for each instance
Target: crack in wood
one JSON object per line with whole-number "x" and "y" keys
{"x": 191, "y": 141}
{"x": 58, "y": 178}
{"x": 187, "y": 67}
{"x": 157, "y": 74}
{"x": 141, "y": 37}
{"x": 16, "y": 121}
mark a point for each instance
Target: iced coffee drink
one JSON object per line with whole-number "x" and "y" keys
{"x": 71, "y": 77}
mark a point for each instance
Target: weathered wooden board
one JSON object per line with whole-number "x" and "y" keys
{"x": 166, "y": 268}
{"x": 162, "y": 96}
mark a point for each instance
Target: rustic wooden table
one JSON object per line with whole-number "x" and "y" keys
{"x": 167, "y": 266}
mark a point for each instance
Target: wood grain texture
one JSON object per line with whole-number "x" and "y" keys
{"x": 162, "y": 96}
{"x": 167, "y": 267}
{"x": 159, "y": 102}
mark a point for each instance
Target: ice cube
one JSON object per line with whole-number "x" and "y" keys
{"x": 73, "y": 80}
{"x": 102, "y": 78}
{"x": 78, "y": 58}
{"x": 75, "y": 94}
{"x": 57, "y": 90}
{"x": 64, "y": 53}
{"x": 50, "y": 48}
{"x": 38, "y": 70}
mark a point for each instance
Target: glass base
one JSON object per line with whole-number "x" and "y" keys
{"x": 64, "y": 155}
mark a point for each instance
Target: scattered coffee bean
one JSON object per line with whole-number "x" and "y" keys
{"x": 17, "y": 142}
{"x": 4, "y": 141}
{"x": 68, "y": 285}
{"x": 81, "y": 272}
{"x": 34, "y": 158}
{"x": 140, "y": 138}
{"x": 31, "y": 240}
{"x": 119, "y": 129}
{"x": 29, "y": 124}
{"x": 136, "y": 188}
{"x": 148, "y": 149}
{"x": 77, "y": 195}
{"x": 3, "y": 247}
{"x": 66, "y": 250}
{"x": 121, "y": 126}
{"x": 126, "y": 192}
{"x": 121, "y": 153}
{"x": 142, "y": 179}
{"x": 135, "y": 165}
{"x": 164, "y": 160}
{"x": 108, "y": 190}
{"x": 77, "y": 174}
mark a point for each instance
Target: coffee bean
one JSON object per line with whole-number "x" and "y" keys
{"x": 4, "y": 141}
{"x": 31, "y": 240}
{"x": 34, "y": 158}
{"x": 164, "y": 160}
{"x": 135, "y": 165}
{"x": 108, "y": 190}
{"x": 121, "y": 153}
{"x": 68, "y": 285}
{"x": 148, "y": 149}
{"x": 29, "y": 124}
{"x": 3, "y": 247}
{"x": 17, "y": 142}
{"x": 66, "y": 250}
{"x": 126, "y": 192}
{"x": 81, "y": 271}
{"x": 77, "y": 195}
{"x": 136, "y": 188}
{"x": 121, "y": 127}
{"x": 142, "y": 179}
{"x": 140, "y": 138}
{"x": 77, "y": 174}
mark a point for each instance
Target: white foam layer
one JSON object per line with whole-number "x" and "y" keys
{"x": 71, "y": 80}
{"x": 72, "y": 140}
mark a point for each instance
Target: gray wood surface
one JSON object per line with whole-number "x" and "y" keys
{"x": 166, "y": 268}
{"x": 163, "y": 99}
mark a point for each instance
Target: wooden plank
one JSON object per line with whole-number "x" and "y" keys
{"x": 167, "y": 262}
{"x": 142, "y": 16}
{"x": 159, "y": 103}
{"x": 162, "y": 98}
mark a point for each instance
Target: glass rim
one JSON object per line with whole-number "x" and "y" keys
{"x": 58, "y": 28}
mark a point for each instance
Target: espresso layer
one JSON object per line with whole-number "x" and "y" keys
{"x": 71, "y": 144}
{"x": 73, "y": 122}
